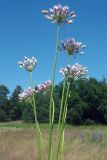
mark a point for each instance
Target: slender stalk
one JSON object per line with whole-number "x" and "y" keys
{"x": 51, "y": 114}
{"x": 63, "y": 122}
{"x": 62, "y": 146}
{"x": 40, "y": 141}
{"x": 62, "y": 100}
{"x": 61, "y": 139}
{"x": 37, "y": 139}
{"x": 58, "y": 139}
{"x": 61, "y": 108}
{"x": 65, "y": 106}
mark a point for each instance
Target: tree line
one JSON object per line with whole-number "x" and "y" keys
{"x": 87, "y": 103}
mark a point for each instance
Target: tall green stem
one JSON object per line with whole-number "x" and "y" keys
{"x": 59, "y": 134}
{"x": 62, "y": 128}
{"x": 62, "y": 146}
{"x": 62, "y": 100}
{"x": 39, "y": 135}
{"x": 65, "y": 106}
{"x": 63, "y": 121}
{"x": 51, "y": 114}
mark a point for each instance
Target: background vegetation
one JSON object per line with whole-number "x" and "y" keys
{"x": 87, "y": 103}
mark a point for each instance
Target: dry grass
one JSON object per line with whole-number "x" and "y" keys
{"x": 81, "y": 143}
{"x": 17, "y": 145}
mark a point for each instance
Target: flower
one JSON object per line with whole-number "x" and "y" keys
{"x": 71, "y": 47}
{"x": 26, "y": 94}
{"x": 76, "y": 71}
{"x": 28, "y": 64}
{"x": 43, "y": 87}
{"x": 59, "y": 14}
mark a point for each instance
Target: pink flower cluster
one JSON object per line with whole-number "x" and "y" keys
{"x": 71, "y": 47}
{"x": 59, "y": 14}
{"x": 76, "y": 71}
{"x": 43, "y": 87}
{"x": 26, "y": 94}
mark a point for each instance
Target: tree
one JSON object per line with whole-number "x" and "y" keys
{"x": 94, "y": 93}
{"x": 4, "y": 103}
{"x": 16, "y": 107}
{"x": 42, "y": 108}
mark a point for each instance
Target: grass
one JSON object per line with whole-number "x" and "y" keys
{"x": 17, "y": 142}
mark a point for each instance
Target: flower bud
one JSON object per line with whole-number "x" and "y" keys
{"x": 45, "y": 12}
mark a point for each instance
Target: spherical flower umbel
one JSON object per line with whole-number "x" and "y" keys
{"x": 71, "y": 47}
{"x": 28, "y": 64}
{"x": 59, "y": 14}
{"x": 76, "y": 71}
{"x": 43, "y": 87}
{"x": 26, "y": 94}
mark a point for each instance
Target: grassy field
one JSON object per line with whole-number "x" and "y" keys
{"x": 17, "y": 142}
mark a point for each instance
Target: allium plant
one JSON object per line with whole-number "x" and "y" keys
{"x": 28, "y": 64}
{"x": 74, "y": 72}
{"x": 26, "y": 94}
{"x": 60, "y": 15}
{"x": 71, "y": 47}
{"x": 43, "y": 87}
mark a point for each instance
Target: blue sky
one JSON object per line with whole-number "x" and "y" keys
{"x": 25, "y": 32}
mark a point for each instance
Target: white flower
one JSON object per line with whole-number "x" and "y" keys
{"x": 26, "y": 94}
{"x": 43, "y": 87}
{"x": 72, "y": 47}
{"x": 28, "y": 64}
{"x": 59, "y": 14}
{"x": 76, "y": 71}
